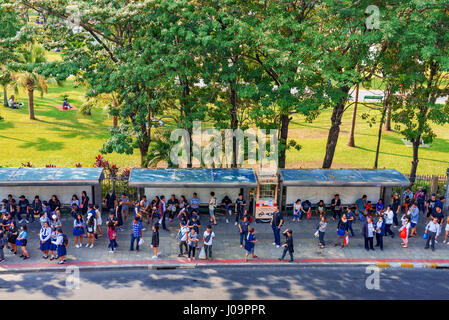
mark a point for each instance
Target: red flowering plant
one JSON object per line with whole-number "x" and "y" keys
{"x": 111, "y": 169}
{"x": 27, "y": 165}
{"x": 50, "y": 166}
{"x": 78, "y": 165}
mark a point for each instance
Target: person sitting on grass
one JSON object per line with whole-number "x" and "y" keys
{"x": 65, "y": 104}
{"x": 13, "y": 104}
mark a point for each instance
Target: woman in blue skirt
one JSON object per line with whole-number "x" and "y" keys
{"x": 62, "y": 251}
{"x": 53, "y": 248}
{"x": 22, "y": 242}
{"x": 78, "y": 230}
{"x": 45, "y": 239}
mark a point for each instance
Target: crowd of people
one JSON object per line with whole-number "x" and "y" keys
{"x": 377, "y": 222}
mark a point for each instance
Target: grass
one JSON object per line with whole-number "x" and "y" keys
{"x": 64, "y": 138}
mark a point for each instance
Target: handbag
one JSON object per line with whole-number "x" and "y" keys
{"x": 425, "y": 236}
{"x": 317, "y": 233}
{"x": 403, "y": 233}
{"x": 202, "y": 254}
{"x": 141, "y": 242}
{"x": 341, "y": 232}
{"x": 346, "y": 241}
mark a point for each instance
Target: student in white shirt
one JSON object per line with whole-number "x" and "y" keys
{"x": 212, "y": 206}
{"x": 208, "y": 237}
{"x": 182, "y": 238}
{"x": 447, "y": 231}
{"x": 433, "y": 230}
{"x": 297, "y": 210}
{"x": 388, "y": 217}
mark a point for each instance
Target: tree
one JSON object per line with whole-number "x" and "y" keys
{"x": 423, "y": 66}
{"x": 28, "y": 78}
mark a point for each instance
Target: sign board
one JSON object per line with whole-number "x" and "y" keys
{"x": 265, "y": 209}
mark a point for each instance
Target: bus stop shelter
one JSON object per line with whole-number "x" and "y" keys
{"x": 222, "y": 181}
{"x": 350, "y": 184}
{"x": 45, "y": 182}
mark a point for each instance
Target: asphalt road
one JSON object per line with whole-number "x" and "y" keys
{"x": 230, "y": 283}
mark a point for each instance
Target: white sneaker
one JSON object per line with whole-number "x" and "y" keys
{"x": 227, "y": 221}
{"x": 235, "y": 223}
{"x": 92, "y": 245}
{"x": 444, "y": 241}
{"x": 111, "y": 251}
{"x": 274, "y": 243}
{"x": 87, "y": 245}
{"x": 154, "y": 257}
{"x": 21, "y": 221}
{"x": 277, "y": 246}
{"x": 27, "y": 221}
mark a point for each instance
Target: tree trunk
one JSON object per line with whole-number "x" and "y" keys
{"x": 351, "y": 141}
{"x": 31, "y": 104}
{"x": 5, "y": 96}
{"x": 387, "y": 119}
{"x": 379, "y": 136}
{"x": 234, "y": 124}
{"x": 415, "y": 160}
{"x": 285, "y": 121}
{"x": 115, "y": 121}
{"x": 334, "y": 130}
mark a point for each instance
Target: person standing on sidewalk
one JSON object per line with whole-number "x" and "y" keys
{"x": 243, "y": 228}
{"x": 61, "y": 245}
{"x": 288, "y": 245}
{"x": 396, "y": 208}
{"x": 250, "y": 244}
{"x": 182, "y": 238}
{"x": 351, "y": 219}
{"x": 276, "y": 224}
{"x": 208, "y": 237}
{"x": 240, "y": 205}
{"x": 447, "y": 231}
{"x": 192, "y": 240}
{"x": 112, "y": 236}
{"x": 124, "y": 205}
{"x": 413, "y": 212}
{"x": 321, "y": 231}
{"x": 380, "y": 232}
{"x": 45, "y": 239}
{"x": 342, "y": 231}
{"x": 405, "y": 224}
{"x": 368, "y": 233}
{"x": 136, "y": 234}
{"x": 163, "y": 212}
{"x": 388, "y": 217}
{"x": 155, "y": 240}
{"x": 433, "y": 230}
{"x": 78, "y": 230}
{"x": 212, "y": 206}
{"x": 22, "y": 242}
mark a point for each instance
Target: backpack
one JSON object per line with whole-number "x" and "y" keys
{"x": 65, "y": 240}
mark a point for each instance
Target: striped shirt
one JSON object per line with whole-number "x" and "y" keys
{"x": 137, "y": 227}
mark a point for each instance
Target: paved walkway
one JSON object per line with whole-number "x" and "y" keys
{"x": 226, "y": 247}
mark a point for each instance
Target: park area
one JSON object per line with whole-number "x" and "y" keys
{"x": 65, "y": 138}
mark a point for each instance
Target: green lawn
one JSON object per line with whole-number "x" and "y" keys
{"x": 65, "y": 138}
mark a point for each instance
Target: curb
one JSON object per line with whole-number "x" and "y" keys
{"x": 413, "y": 265}
{"x": 175, "y": 266}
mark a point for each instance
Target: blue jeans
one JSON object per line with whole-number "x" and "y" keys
{"x": 137, "y": 239}
{"x": 112, "y": 244}
{"x": 163, "y": 222}
{"x": 321, "y": 237}
{"x": 350, "y": 228}
{"x": 285, "y": 252}
{"x": 277, "y": 235}
{"x": 243, "y": 236}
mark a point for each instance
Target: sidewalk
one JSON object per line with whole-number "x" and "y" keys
{"x": 227, "y": 251}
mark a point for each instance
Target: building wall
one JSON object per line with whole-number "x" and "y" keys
{"x": 348, "y": 195}
{"x": 64, "y": 193}
{"x": 203, "y": 193}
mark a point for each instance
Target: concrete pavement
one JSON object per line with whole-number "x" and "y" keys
{"x": 226, "y": 249}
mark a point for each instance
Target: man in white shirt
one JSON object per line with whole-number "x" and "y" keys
{"x": 433, "y": 229}
{"x": 388, "y": 217}
{"x": 212, "y": 206}
{"x": 182, "y": 237}
{"x": 208, "y": 237}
